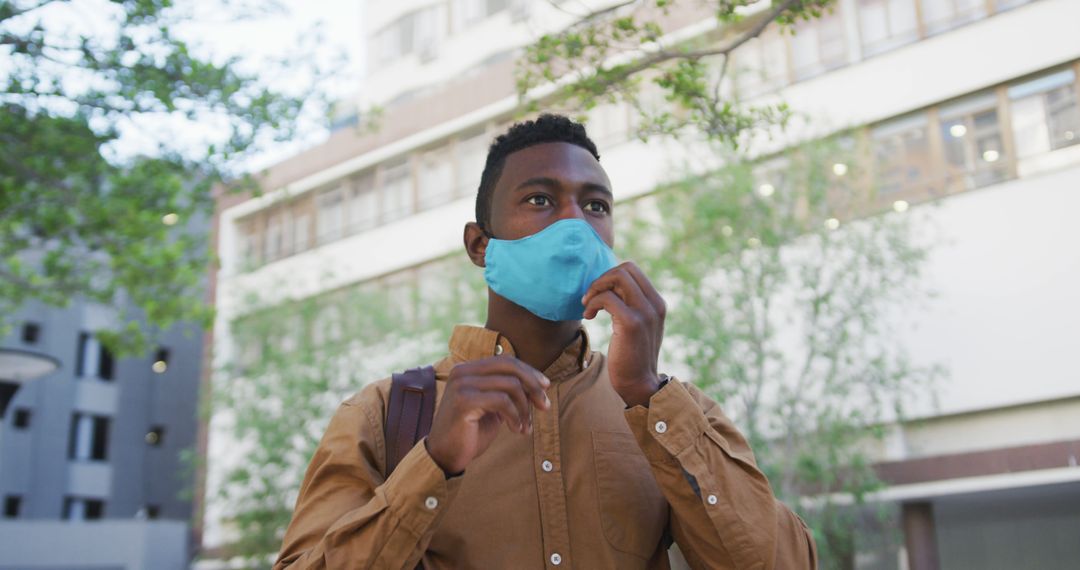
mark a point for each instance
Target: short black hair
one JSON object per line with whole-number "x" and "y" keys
{"x": 546, "y": 128}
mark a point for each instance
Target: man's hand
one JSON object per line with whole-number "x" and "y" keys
{"x": 637, "y": 314}
{"x": 479, "y": 396}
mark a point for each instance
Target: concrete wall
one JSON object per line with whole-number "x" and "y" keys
{"x": 112, "y": 545}
{"x": 1023, "y": 528}
{"x": 34, "y": 461}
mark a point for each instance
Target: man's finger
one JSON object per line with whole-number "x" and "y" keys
{"x": 650, "y": 292}
{"x": 496, "y": 403}
{"x": 619, "y": 280}
{"x": 509, "y": 385}
{"x": 534, "y": 382}
{"x": 610, "y": 302}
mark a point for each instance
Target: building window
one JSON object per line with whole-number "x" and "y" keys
{"x": 418, "y": 32}
{"x": 12, "y": 506}
{"x": 609, "y": 123}
{"x": 275, "y": 236}
{"x": 93, "y": 359}
{"x": 1045, "y": 114}
{"x": 1003, "y": 5}
{"x": 943, "y": 15}
{"x": 89, "y": 437}
{"x": 301, "y": 232}
{"x": 84, "y": 354}
{"x": 818, "y": 46}
{"x": 436, "y": 178}
{"x": 155, "y": 435}
{"x": 161, "y": 361}
{"x": 83, "y": 509}
{"x": 430, "y": 31}
{"x": 330, "y": 215}
{"x": 396, "y": 191}
{"x": 470, "y": 154}
{"x": 468, "y": 12}
{"x": 363, "y": 203}
{"x": 248, "y": 245}
{"x": 105, "y": 364}
{"x": 761, "y": 64}
{"x": 902, "y": 156}
{"x": 887, "y": 24}
{"x": 974, "y": 149}
{"x": 31, "y": 332}
{"x": 21, "y": 420}
{"x": 153, "y": 511}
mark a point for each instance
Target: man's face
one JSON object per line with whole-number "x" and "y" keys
{"x": 548, "y": 182}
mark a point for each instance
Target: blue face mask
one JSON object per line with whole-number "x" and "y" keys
{"x": 549, "y": 271}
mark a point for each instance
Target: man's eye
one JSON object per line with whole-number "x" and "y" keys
{"x": 597, "y": 207}
{"x": 539, "y": 200}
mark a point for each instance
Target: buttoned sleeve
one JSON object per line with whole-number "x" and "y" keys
{"x": 723, "y": 512}
{"x": 346, "y": 515}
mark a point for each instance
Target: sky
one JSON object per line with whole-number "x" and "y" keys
{"x": 340, "y": 23}
{"x": 281, "y": 27}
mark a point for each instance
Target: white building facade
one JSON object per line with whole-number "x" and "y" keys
{"x": 973, "y": 103}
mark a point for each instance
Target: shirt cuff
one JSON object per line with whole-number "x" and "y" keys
{"x": 672, "y": 423}
{"x": 419, "y": 492}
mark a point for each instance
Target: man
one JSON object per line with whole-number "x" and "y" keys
{"x": 543, "y": 453}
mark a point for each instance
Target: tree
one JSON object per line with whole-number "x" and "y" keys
{"x": 780, "y": 269}
{"x": 295, "y": 361}
{"x": 101, "y": 197}
{"x": 782, "y": 275}
{"x": 612, "y": 53}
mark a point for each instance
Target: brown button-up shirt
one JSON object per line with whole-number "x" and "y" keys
{"x": 596, "y": 485}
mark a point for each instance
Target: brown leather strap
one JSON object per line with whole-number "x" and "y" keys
{"x": 409, "y": 413}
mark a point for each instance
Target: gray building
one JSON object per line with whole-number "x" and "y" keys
{"x": 99, "y": 440}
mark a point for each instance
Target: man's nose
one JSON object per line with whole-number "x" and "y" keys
{"x": 570, "y": 210}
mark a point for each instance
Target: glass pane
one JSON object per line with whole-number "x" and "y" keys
{"x": 436, "y": 184}
{"x": 902, "y": 154}
{"x": 1063, "y": 117}
{"x": 761, "y": 64}
{"x": 471, "y": 153}
{"x": 272, "y": 240}
{"x": 1007, "y": 4}
{"x": 1043, "y": 84}
{"x": 329, "y": 219}
{"x": 942, "y": 15}
{"x": 363, "y": 204}
{"x": 887, "y": 24}
{"x": 805, "y": 58}
{"x": 902, "y": 19}
{"x": 396, "y": 191}
{"x": 873, "y": 22}
{"x": 832, "y": 43}
{"x": 301, "y": 233}
{"x": 1029, "y": 126}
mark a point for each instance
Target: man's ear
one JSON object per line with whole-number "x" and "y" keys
{"x": 476, "y": 241}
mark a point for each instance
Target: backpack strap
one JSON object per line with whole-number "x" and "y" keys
{"x": 409, "y": 413}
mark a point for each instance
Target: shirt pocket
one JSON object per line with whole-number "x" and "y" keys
{"x": 633, "y": 511}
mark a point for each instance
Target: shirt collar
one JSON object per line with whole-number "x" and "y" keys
{"x": 473, "y": 343}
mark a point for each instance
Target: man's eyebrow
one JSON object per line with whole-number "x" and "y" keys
{"x": 552, "y": 183}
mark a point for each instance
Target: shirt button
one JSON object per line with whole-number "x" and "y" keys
{"x": 431, "y": 503}
{"x": 556, "y": 559}
{"x": 661, "y": 427}
{"x": 547, "y": 466}
{"x": 498, "y": 349}
{"x": 711, "y": 499}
